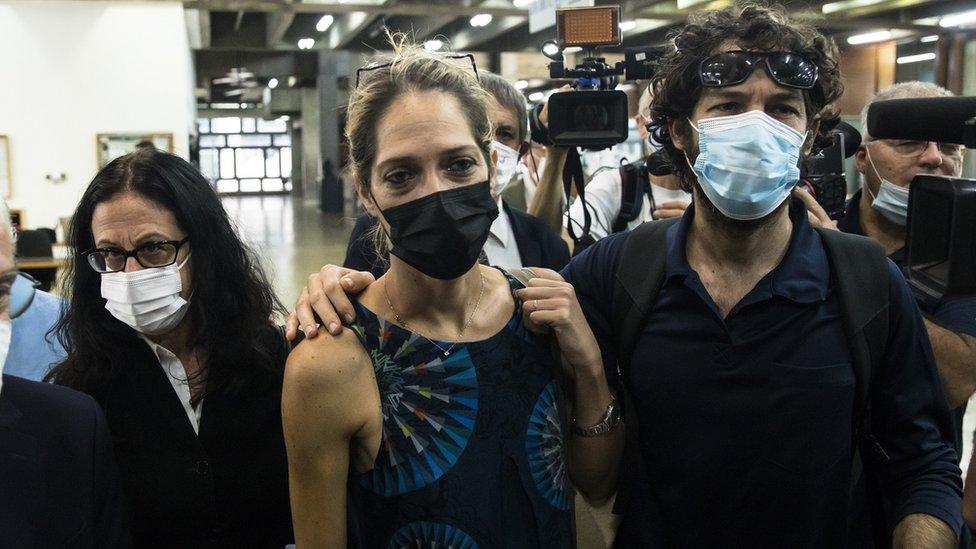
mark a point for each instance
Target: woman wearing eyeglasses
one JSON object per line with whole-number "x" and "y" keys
{"x": 170, "y": 327}
{"x": 436, "y": 420}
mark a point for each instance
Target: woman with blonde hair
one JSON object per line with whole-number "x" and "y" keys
{"x": 436, "y": 419}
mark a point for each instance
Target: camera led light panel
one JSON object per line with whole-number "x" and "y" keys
{"x": 588, "y": 27}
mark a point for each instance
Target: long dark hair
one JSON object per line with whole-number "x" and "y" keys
{"x": 231, "y": 312}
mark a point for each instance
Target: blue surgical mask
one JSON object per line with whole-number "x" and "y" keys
{"x": 891, "y": 200}
{"x": 747, "y": 164}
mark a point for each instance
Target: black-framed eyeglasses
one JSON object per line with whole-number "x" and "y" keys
{"x": 786, "y": 68}
{"x": 149, "y": 255}
{"x": 373, "y": 67}
{"x": 17, "y": 291}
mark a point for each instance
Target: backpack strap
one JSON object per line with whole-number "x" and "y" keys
{"x": 637, "y": 281}
{"x": 860, "y": 268}
{"x": 634, "y": 182}
{"x": 636, "y": 285}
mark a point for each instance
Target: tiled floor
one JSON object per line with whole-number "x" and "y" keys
{"x": 293, "y": 238}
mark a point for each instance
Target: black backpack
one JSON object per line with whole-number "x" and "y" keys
{"x": 859, "y": 267}
{"x": 635, "y": 183}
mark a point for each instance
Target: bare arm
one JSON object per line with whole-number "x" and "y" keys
{"x": 955, "y": 355}
{"x": 923, "y": 532}
{"x": 593, "y": 462}
{"x": 323, "y": 411}
{"x": 547, "y": 203}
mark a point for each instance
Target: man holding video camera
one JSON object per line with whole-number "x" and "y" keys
{"x": 755, "y": 362}
{"x": 879, "y": 210}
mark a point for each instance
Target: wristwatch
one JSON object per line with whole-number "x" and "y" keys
{"x": 610, "y": 420}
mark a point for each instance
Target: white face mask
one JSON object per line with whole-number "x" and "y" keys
{"x": 891, "y": 200}
{"x": 148, "y": 300}
{"x": 6, "y": 328}
{"x": 505, "y": 167}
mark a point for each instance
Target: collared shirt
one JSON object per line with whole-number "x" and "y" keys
{"x": 501, "y": 247}
{"x": 745, "y": 422}
{"x": 176, "y": 375}
{"x": 957, "y": 314}
{"x": 33, "y": 350}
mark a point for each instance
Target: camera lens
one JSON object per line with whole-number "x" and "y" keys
{"x": 588, "y": 118}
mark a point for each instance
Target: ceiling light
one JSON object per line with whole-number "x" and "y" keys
{"x": 243, "y": 105}
{"x": 915, "y": 58}
{"x": 869, "y": 37}
{"x": 628, "y": 25}
{"x": 929, "y": 38}
{"x": 573, "y": 49}
{"x": 324, "y": 23}
{"x": 521, "y": 3}
{"x": 306, "y": 43}
{"x": 834, "y": 7}
{"x": 273, "y": 83}
{"x": 481, "y": 20}
{"x": 284, "y": 118}
{"x": 521, "y": 84}
{"x": 536, "y": 97}
{"x": 958, "y": 19}
{"x": 292, "y": 81}
{"x": 433, "y": 45}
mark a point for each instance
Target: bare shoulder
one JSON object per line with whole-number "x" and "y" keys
{"x": 328, "y": 367}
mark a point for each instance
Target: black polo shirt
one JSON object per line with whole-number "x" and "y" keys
{"x": 745, "y": 422}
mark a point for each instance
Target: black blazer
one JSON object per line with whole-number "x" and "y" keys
{"x": 227, "y": 486}
{"x": 59, "y": 486}
{"x": 537, "y": 244}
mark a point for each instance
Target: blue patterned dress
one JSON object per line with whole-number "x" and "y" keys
{"x": 471, "y": 454}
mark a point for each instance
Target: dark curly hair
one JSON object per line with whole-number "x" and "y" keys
{"x": 233, "y": 307}
{"x": 677, "y": 85}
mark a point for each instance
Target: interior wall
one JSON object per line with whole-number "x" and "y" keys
{"x": 79, "y": 68}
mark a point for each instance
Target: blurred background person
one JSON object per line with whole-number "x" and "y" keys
{"x": 170, "y": 327}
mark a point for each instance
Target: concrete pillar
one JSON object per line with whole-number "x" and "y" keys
{"x": 332, "y": 66}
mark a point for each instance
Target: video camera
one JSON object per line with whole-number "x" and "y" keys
{"x": 941, "y": 231}
{"x": 594, "y": 116}
{"x": 823, "y": 174}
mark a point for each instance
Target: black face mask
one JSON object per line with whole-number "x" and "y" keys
{"x": 442, "y": 234}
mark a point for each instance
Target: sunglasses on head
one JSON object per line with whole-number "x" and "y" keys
{"x": 786, "y": 68}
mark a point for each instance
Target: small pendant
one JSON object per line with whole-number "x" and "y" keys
{"x": 447, "y": 353}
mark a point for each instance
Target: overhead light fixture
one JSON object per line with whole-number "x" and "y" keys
{"x": 292, "y": 81}
{"x": 481, "y": 20}
{"x": 243, "y": 105}
{"x": 572, "y": 49}
{"x": 628, "y": 25}
{"x": 273, "y": 83}
{"x": 550, "y": 49}
{"x": 324, "y": 23}
{"x": 521, "y": 3}
{"x": 521, "y": 84}
{"x": 929, "y": 38}
{"x": 284, "y": 118}
{"x": 869, "y": 37}
{"x": 834, "y": 7}
{"x": 433, "y": 45}
{"x": 306, "y": 43}
{"x": 958, "y": 19}
{"x": 536, "y": 97}
{"x": 915, "y": 58}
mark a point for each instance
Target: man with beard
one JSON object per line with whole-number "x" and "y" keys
{"x": 746, "y": 375}
{"x": 742, "y": 376}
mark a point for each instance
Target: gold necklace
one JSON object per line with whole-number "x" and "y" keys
{"x": 460, "y": 336}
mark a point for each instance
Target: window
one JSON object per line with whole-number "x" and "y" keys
{"x": 246, "y": 155}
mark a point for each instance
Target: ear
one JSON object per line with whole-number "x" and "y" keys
{"x": 861, "y": 159}
{"x": 366, "y": 199}
{"x": 678, "y": 137}
{"x": 492, "y": 165}
{"x": 814, "y": 131}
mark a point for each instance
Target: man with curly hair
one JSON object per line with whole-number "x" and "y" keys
{"x": 742, "y": 376}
